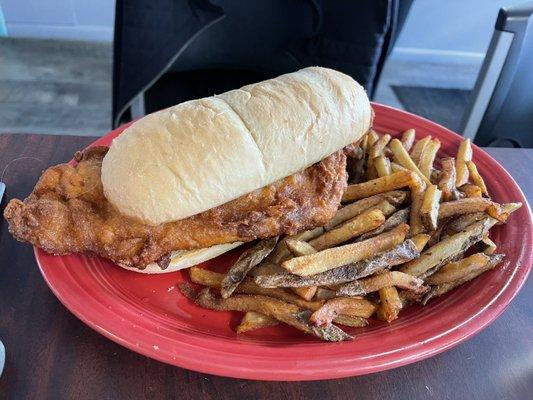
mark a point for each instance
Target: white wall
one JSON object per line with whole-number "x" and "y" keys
{"x": 61, "y": 19}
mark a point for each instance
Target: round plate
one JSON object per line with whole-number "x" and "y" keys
{"x": 149, "y": 315}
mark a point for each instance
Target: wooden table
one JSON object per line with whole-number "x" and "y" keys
{"x": 51, "y": 354}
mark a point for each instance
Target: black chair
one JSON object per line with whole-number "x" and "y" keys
{"x": 170, "y": 51}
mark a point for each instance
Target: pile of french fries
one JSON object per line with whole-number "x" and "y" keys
{"x": 411, "y": 228}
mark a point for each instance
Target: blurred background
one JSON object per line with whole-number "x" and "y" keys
{"x": 81, "y": 67}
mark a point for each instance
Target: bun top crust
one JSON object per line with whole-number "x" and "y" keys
{"x": 197, "y": 155}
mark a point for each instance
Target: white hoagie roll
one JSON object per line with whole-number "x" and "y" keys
{"x": 197, "y": 155}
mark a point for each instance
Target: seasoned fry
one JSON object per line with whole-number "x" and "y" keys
{"x": 408, "y": 297}
{"x": 395, "y": 181}
{"x": 395, "y": 167}
{"x": 415, "y": 218}
{"x": 373, "y": 137}
{"x": 402, "y": 253}
{"x": 214, "y": 280}
{"x": 363, "y": 223}
{"x": 464, "y": 154}
{"x": 379, "y": 281}
{"x": 427, "y": 157}
{"x": 342, "y": 305}
{"x": 324, "y": 294}
{"x": 458, "y": 269}
{"x": 399, "y": 217}
{"x": 490, "y": 246}
{"x": 253, "y": 320}
{"x": 408, "y": 139}
{"x": 447, "y": 179}
{"x": 457, "y": 224}
{"x": 249, "y": 259}
{"x": 352, "y": 321}
{"x": 471, "y": 190}
{"x": 378, "y": 147}
{"x": 382, "y": 165}
{"x": 418, "y": 148}
{"x": 390, "y": 305}
{"x": 429, "y": 210}
{"x": 439, "y": 290}
{"x": 343, "y": 255}
{"x": 352, "y": 210}
{"x": 274, "y": 308}
{"x": 420, "y": 241}
{"x": 476, "y": 177}
{"x": 281, "y": 252}
{"x": 299, "y": 248}
{"x": 464, "y": 206}
{"x": 445, "y": 250}
{"x": 401, "y": 156}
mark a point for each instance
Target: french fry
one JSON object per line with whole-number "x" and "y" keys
{"x": 460, "y": 222}
{"x": 378, "y": 147}
{"x": 390, "y": 305}
{"x": 401, "y": 156}
{"x": 281, "y": 252}
{"x": 408, "y": 297}
{"x": 490, "y": 246}
{"x": 399, "y": 217}
{"x": 400, "y": 254}
{"x": 395, "y": 181}
{"x": 448, "y": 248}
{"x": 342, "y": 305}
{"x": 379, "y": 281}
{"x": 471, "y": 190}
{"x": 418, "y": 148}
{"x": 464, "y": 154}
{"x": 373, "y": 137}
{"x": 395, "y": 167}
{"x": 363, "y": 223}
{"x": 324, "y": 294}
{"x": 476, "y": 177}
{"x": 429, "y": 210}
{"x": 214, "y": 280}
{"x": 415, "y": 218}
{"x": 274, "y": 308}
{"x": 249, "y": 259}
{"x": 336, "y": 257}
{"x": 299, "y": 248}
{"x": 351, "y": 321}
{"x": 408, "y": 139}
{"x": 352, "y": 210}
{"x": 439, "y": 290}
{"x": 382, "y": 165}
{"x": 427, "y": 158}
{"x": 458, "y": 269}
{"x": 253, "y": 320}
{"x": 420, "y": 241}
{"x": 447, "y": 179}
{"x": 464, "y": 206}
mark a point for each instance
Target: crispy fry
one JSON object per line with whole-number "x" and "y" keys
{"x": 418, "y": 148}
{"x": 476, "y": 177}
{"x": 373, "y": 137}
{"x": 427, "y": 157}
{"x": 214, "y": 280}
{"x": 420, "y": 241}
{"x": 464, "y": 154}
{"x": 458, "y": 269}
{"x": 379, "y": 281}
{"x": 445, "y": 250}
{"x": 460, "y": 222}
{"x": 363, "y": 223}
{"x": 249, "y": 259}
{"x": 343, "y": 255}
{"x": 281, "y": 252}
{"x": 396, "y": 181}
{"x": 253, "y": 320}
{"x": 351, "y": 321}
{"x": 464, "y": 206}
{"x": 324, "y": 294}
{"x": 401, "y": 156}
{"x": 274, "y": 308}
{"x": 490, "y": 246}
{"x": 342, "y": 305}
{"x": 352, "y": 210}
{"x": 390, "y": 305}
{"x": 429, "y": 210}
{"x": 402, "y": 253}
{"x": 306, "y": 293}
{"x": 382, "y": 165}
{"x": 399, "y": 217}
{"x": 378, "y": 147}
{"x": 395, "y": 167}
{"x": 447, "y": 179}
{"x": 299, "y": 248}
{"x": 471, "y": 190}
{"x": 408, "y": 139}
{"x": 439, "y": 290}
{"x": 415, "y": 218}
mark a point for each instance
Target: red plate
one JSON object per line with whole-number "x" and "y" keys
{"x": 147, "y": 314}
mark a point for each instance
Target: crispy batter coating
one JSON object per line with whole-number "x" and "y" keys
{"x": 67, "y": 212}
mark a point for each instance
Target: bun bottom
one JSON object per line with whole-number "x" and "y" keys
{"x": 181, "y": 259}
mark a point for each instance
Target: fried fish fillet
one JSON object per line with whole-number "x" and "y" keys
{"x": 67, "y": 212}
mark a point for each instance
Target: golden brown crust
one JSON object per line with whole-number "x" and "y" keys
{"x": 67, "y": 212}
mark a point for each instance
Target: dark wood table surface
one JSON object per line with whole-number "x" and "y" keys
{"x": 52, "y": 355}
